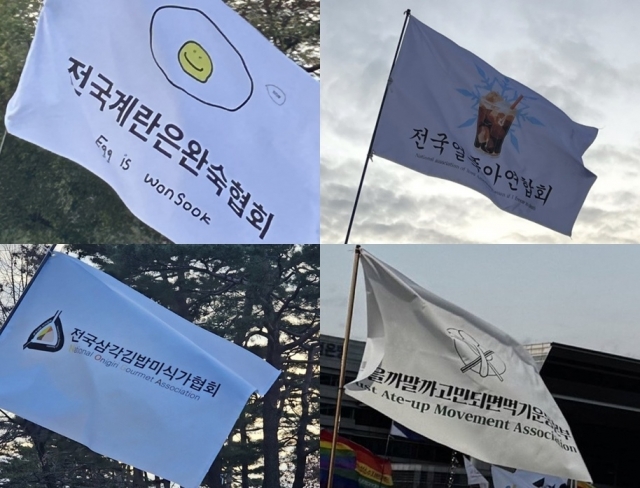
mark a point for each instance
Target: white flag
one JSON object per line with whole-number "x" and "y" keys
{"x": 400, "y": 430}
{"x": 525, "y": 479}
{"x": 474, "y": 477}
{"x": 449, "y": 114}
{"x": 207, "y": 132}
{"x": 454, "y": 378}
{"x": 88, "y": 357}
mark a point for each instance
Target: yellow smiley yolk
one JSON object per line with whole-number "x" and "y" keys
{"x": 195, "y": 61}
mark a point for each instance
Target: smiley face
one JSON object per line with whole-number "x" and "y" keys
{"x": 209, "y": 68}
{"x": 195, "y": 61}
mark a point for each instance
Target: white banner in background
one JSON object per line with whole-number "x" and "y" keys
{"x": 207, "y": 132}
{"x": 474, "y": 477}
{"x": 92, "y": 359}
{"x": 525, "y": 479}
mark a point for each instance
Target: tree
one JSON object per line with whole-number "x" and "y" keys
{"x": 292, "y": 25}
{"x": 34, "y": 456}
{"x": 281, "y": 298}
{"x": 49, "y": 199}
{"x": 44, "y": 197}
{"x": 17, "y": 265}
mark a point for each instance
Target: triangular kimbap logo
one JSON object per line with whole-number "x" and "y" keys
{"x": 47, "y": 336}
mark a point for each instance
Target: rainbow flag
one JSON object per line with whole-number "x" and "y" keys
{"x": 355, "y": 466}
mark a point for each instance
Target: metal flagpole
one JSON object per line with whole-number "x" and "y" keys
{"x": 366, "y": 162}
{"x": 343, "y": 365}
{"x": 44, "y": 260}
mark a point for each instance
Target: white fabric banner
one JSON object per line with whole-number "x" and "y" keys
{"x": 525, "y": 479}
{"x": 474, "y": 477}
{"x": 92, "y": 359}
{"x": 207, "y": 132}
{"x": 449, "y": 114}
{"x": 456, "y": 379}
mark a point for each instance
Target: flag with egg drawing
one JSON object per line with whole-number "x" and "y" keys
{"x": 206, "y": 131}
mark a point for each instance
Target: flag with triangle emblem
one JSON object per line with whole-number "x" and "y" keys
{"x": 48, "y": 336}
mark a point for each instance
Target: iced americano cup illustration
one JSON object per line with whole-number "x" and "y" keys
{"x": 495, "y": 116}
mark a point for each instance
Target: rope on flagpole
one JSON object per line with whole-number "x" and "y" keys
{"x": 343, "y": 365}
{"x": 375, "y": 129}
{"x": 44, "y": 260}
{"x": 3, "y": 139}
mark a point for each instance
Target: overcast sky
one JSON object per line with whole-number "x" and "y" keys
{"x": 579, "y": 54}
{"x": 585, "y": 296}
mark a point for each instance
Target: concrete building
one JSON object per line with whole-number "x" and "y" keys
{"x": 598, "y": 393}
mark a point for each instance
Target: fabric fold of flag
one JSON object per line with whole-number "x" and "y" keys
{"x": 451, "y": 115}
{"x": 456, "y": 379}
{"x": 92, "y": 359}
{"x": 205, "y": 130}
